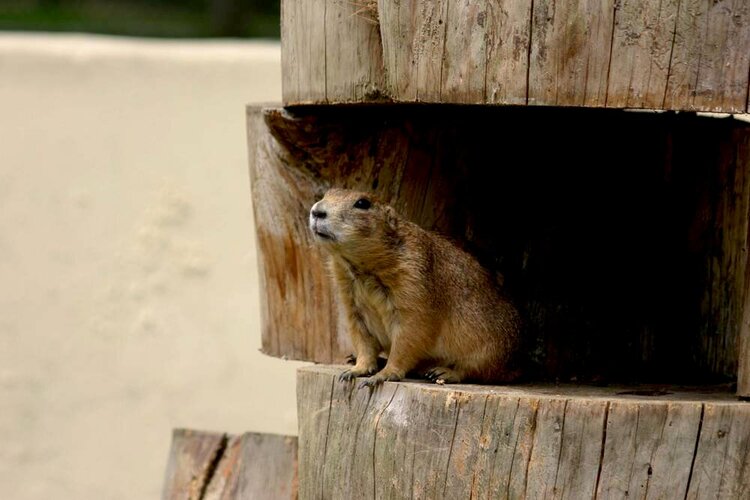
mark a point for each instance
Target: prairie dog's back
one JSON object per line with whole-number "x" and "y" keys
{"x": 481, "y": 321}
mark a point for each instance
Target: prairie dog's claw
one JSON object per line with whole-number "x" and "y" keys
{"x": 378, "y": 379}
{"x": 370, "y": 383}
{"x": 355, "y": 372}
{"x": 441, "y": 375}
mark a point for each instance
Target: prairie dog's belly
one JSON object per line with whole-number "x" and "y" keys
{"x": 376, "y": 309}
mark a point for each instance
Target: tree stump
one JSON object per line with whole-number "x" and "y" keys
{"x": 418, "y": 440}
{"x": 215, "y": 466}
{"x": 668, "y": 55}
{"x": 622, "y": 236}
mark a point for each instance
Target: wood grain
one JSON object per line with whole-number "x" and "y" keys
{"x": 508, "y": 33}
{"x": 506, "y": 440}
{"x": 284, "y": 253}
{"x": 418, "y": 440}
{"x": 214, "y": 466}
{"x": 303, "y": 53}
{"x": 727, "y": 269}
{"x": 414, "y": 35}
{"x": 267, "y": 467}
{"x": 546, "y": 448}
{"x": 648, "y": 449}
{"x": 192, "y": 461}
{"x": 671, "y": 54}
{"x": 464, "y": 62}
{"x": 641, "y": 50}
{"x": 314, "y": 401}
{"x": 721, "y": 468}
{"x": 722, "y": 76}
{"x": 581, "y": 451}
{"x": 710, "y": 57}
{"x": 742, "y": 283}
{"x": 353, "y": 52}
{"x": 570, "y": 51}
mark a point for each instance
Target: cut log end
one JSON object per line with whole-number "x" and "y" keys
{"x": 409, "y": 439}
{"x": 213, "y": 466}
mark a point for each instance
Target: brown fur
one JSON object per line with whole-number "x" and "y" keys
{"x": 413, "y": 296}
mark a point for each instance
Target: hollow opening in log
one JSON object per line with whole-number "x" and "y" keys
{"x": 622, "y": 236}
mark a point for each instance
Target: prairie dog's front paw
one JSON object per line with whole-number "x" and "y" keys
{"x": 355, "y": 371}
{"x": 382, "y": 376}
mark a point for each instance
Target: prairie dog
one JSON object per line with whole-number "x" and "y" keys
{"x": 430, "y": 307}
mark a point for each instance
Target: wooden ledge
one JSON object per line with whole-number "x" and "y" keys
{"x": 418, "y": 440}
{"x": 212, "y": 465}
{"x": 659, "y": 393}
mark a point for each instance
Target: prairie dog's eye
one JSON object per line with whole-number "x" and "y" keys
{"x": 362, "y": 204}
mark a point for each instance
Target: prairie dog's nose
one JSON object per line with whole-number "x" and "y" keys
{"x": 317, "y": 211}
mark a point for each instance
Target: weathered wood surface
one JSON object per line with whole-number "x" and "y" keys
{"x": 353, "y": 58}
{"x": 743, "y": 368}
{"x": 413, "y": 44}
{"x": 722, "y": 464}
{"x": 730, "y": 233}
{"x": 641, "y": 51}
{"x": 291, "y": 269}
{"x": 464, "y": 67}
{"x": 648, "y": 433}
{"x": 419, "y": 440}
{"x": 679, "y": 55}
{"x": 710, "y": 56}
{"x": 192, "y": 460}
{"x": 622, "y": 236}
{"x": 570, "y": 49}
{"x": 215, "y": 466}
{"x": 304, "y": 78}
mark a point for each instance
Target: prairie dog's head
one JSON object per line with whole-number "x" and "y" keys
{"x": 352, "y": 222}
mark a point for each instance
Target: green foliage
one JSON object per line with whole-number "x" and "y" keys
{"x": 155, "y": 18}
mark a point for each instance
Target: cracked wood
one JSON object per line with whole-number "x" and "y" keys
{"x": 418, "y": 440}
{"x": 215, "y": 466}
{"x": 671, "y": 54}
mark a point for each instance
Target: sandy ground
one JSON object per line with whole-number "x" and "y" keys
{"x": 128, "y": 285}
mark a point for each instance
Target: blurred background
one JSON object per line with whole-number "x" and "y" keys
{"x": 153, "y": 18}
{"x": 128, "y": 278}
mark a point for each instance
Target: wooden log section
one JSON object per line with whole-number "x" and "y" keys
{"x": 418, "y": 440}
{"x": 216, "y": 466}
{"x": 622, "y": 236}
{"x": 743, "y": 370}
{"x": 672, "y": 55}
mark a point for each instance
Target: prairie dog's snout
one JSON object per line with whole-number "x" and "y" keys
{"x": 319, "y": 221}
{"x": 318, "y": 211}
